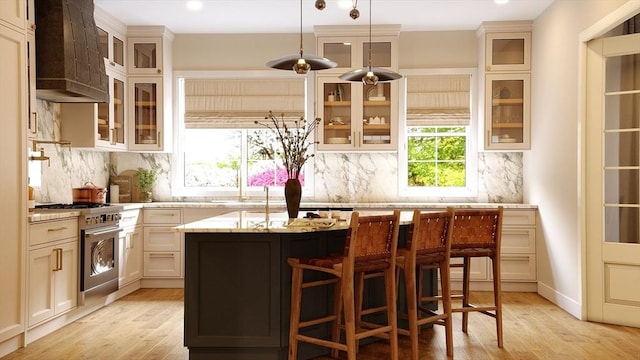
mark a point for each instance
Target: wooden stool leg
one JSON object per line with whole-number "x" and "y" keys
{"x": 348, "y": 305}
{"x": 465, "y": 292}
{"x": 497, "y": 298}
{"x": 411, "y": 296}
{"x": 390, "y": 291}
{"x": 337, "y": 311}
{"x": 445, "y": 284}
{"x": 294, "y": 321}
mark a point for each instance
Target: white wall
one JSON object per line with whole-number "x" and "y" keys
{"x": 551, "y": 167}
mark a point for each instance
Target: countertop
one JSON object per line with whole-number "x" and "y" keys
{"x": 234, "y": 205}
{"x": 259, "y": 222}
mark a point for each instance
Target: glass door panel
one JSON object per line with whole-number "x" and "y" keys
{"x": 376, "y": 110}
{"x": 507, "y": 51}
{"x": 145, "y": 112}
{"x": 507, "y": 111}
{"x": 340, "y": 52}
{"x": 144, "y": 55}
{"x": 337, "y": 124}
{"x": 118, "y": 112}
{"x": 118, "y": 51}
{"x": 380, "y": 54}
{"x": 622, "y": 149}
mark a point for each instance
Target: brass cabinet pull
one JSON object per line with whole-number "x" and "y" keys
{"x": 57, "y": 229}
{"x": 58, "y": 255}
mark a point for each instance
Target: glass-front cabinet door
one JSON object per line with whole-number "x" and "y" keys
{"x": 112, "y": 48}
{"x": 508, "y": 51}
{"x": 111, "y": 116}
{"x": 355, "y": 54}
{"x": 356, "y": 116}
{"x": 146, "y": 112}
{"x": 145, "y": 55}
{"x": 507, "y": 111}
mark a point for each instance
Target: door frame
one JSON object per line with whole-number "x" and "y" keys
{"x": 596, "y": 30}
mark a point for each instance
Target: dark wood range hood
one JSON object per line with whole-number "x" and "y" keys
{"x": 69, "y": 65}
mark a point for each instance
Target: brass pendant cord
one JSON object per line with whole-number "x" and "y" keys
{"x": 300, "y": 28}
{"x": 370, "y": 44}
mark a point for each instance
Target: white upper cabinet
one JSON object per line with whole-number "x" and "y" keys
{"x": 150, "y": 88}
{"x": 505, "y": 71}
{"x": 354, "y": 116}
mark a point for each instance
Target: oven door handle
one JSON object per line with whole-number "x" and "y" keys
{"x": 101, "y": 232}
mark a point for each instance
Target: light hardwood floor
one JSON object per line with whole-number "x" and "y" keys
{"x": 148, "y": 324}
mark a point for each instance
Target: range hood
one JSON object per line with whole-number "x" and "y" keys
{"x": 69, "y": 64}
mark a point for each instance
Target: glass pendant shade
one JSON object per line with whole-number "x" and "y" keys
{"x": 301, "y": 63}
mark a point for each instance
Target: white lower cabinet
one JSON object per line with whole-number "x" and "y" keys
{"x": 163, "y": 247}
{"x": 130, "y": 255}
{"x": 131, "y": 247}
{"x": 52, "y": 270}
{"x": 517, "y": 256}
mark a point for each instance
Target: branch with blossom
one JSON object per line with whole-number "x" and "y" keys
{"x": 294, "y": 140}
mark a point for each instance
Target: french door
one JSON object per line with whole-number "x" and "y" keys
{"x": 612, "y": 161}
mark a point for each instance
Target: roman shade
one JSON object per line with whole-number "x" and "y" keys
{"x": 238, "y": 103}
{"x": 438, "y": 100}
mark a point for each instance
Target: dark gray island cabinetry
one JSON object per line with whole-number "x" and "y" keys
{"x": 238, "y": 284}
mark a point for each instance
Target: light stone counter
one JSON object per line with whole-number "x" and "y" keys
{"x": 258, "y": 222}
{"x": 250, "y": 205}
{"x": 51, "y": 215}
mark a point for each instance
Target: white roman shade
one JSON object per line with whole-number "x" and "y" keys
{"x": 438, "y": 100}
{"x": 238, "y": 103}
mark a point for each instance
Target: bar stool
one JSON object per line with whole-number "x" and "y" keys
{"x": 428, "y": 247}
{"x": 477, "y": 233}
{"x": 370, "y": 246}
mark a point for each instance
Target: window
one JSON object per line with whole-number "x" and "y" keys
{"x": 218, "y": 153}
{"x": 439, "y": 156}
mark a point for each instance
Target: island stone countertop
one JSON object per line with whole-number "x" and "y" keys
{"x": 277, "y": 222}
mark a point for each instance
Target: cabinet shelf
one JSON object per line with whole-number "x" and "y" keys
{"x": 337, "y": 103}
{"x": 507, "y": 125}
{"x": 337, "y": 127}
{"x": 145, "y": 127}
{"x": 377, "y": 127}
{"x": 146, "y": 103}
{"x": 376, "y": 103}
{"x": 499, "y": 102}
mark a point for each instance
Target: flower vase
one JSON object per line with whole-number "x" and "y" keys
{"x": 292, "y": 195}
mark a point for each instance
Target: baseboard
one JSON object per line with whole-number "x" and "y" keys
{"x": 162, "y": 283}
{"x": 12, "y": 344}
{"x": 562, "y": 301}
{"x": 506, "y": 286}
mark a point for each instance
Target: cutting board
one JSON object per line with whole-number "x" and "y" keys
{"x": 128, "y": 186}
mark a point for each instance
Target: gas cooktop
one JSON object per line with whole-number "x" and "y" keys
{"x": 82, "y": 206}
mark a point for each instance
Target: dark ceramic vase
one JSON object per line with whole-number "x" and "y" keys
{"x": 292, "y": 195}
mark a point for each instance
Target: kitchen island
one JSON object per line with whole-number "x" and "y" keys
{"x": 238, "y": 283}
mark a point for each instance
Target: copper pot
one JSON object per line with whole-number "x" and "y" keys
{"x": 90, "y": 193}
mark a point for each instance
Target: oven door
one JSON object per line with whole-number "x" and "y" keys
{"x": 99, "y": 261}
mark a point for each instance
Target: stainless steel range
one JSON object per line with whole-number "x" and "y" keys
{"x": 99, "y": 261}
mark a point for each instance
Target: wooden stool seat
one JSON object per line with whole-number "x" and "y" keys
{"x": 370, "y": 247}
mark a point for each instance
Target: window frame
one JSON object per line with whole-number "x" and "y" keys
{"x": 243, "y": 192}
{"x": 471, "y": 151}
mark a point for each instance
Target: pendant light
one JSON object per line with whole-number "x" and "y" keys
{"x": 370, "y": 75}
{"x": 301, "y": 63}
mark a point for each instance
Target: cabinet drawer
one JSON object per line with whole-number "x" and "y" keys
{"x": 130, "y": 218}
{"x": 162, "y": 264}
{"x": 518, "y": 267}
{"x": 44, "y": 232}
{"x": 158, "y": 238}
{"x": 525, "y": 217}
{"x": 518, "y": 241}
{"x": 163, "y": 216}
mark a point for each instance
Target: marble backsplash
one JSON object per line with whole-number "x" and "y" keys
{"x": 338, "y": 177}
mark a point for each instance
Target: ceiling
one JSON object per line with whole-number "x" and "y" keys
{"x": 283, "y": 16}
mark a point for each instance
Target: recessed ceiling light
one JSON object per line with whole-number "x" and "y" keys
{"x": 194, "y": 5}
{"x": 500, "y": 2}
